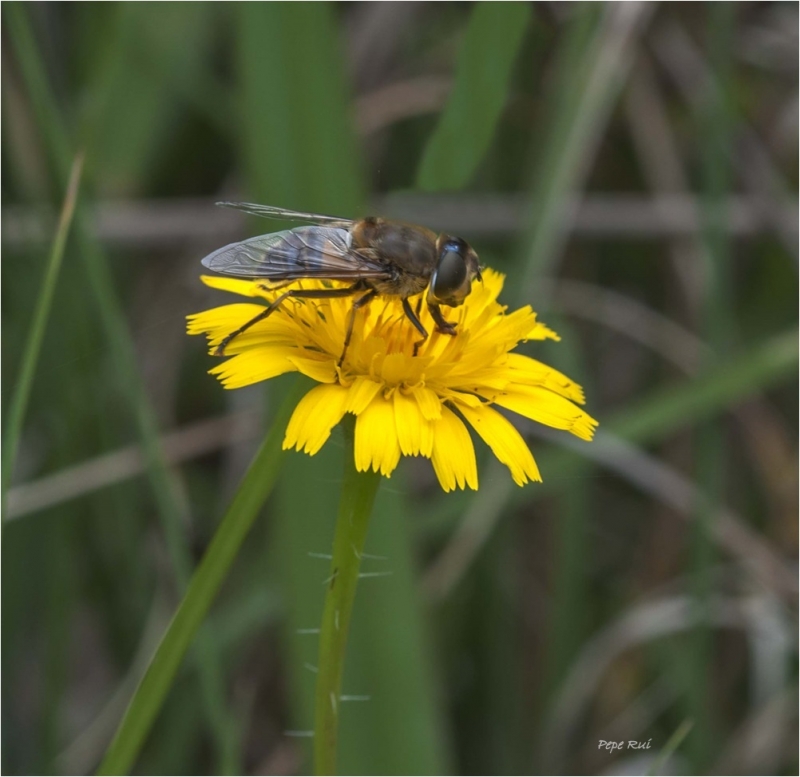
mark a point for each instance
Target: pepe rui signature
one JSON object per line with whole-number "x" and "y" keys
{"x": 631, "y": 744}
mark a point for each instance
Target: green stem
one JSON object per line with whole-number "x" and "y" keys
{"x": 355, "y": 507}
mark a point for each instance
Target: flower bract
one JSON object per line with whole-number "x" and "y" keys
{"x": 405, "y": 404}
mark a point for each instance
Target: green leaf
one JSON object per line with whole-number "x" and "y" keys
{"x": 298, "y": 146}
{"x": 652, "y": 419}
{"x": 172, "y": 508}
{"x": 300, "y": 151}
{"x": 591, "y": 66}
{"x": 146, "y": 60}
{"x": 33, "y": 344}
{"x": 492, "y": 42}
{"x": 710, "y": 393}
{"x": 401, "y": 728}
{"x": 203, "y": 588}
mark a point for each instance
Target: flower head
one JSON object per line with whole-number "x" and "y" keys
{"x": 405, "y": 404}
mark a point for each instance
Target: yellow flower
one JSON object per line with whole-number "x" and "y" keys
{"x": 405, "y": 405}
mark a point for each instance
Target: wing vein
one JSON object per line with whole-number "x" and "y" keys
{"x": 321, "y": 252}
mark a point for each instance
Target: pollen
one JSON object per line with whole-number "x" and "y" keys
{"x": 406, "y": 403}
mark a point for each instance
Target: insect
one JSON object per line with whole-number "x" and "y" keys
{"x": 379, "y": 256}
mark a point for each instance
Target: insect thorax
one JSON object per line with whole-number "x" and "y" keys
{"x": 410, "y": 252}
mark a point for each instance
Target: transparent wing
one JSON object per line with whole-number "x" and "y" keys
{"x": 271, "y": 212}
{"x": 305, "y": 252}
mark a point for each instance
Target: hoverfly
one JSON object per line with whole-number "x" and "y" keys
{"x": 379, "y": 256}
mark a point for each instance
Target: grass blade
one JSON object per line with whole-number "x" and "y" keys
{"x": 287, "y": 57}
{"x": 288, "y": 162}
{"x": 142, "y": 76}
{"x": 592, "y": 67}
{"x": 712, "y": 456}
{"x": 290, "y": 77}
{"x": 651, "y": 420}
{"x": 203, "y": 588}
{"x": 172, "y": 508}
{"x": 730, "y": 381}
{"x": 492, "y": 42}
{"x": 673, "y": 743}
{"x": 389, "y": 630}
{"x": 30, "y": 358}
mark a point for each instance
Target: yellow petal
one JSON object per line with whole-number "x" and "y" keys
{"x": 540, "y": 404}
{"x": 463, "y": 371}
{"x": 429, "y": 403}
{"x": 395, "y": 368}
{"x": 504, "y": 440}
{"x": 254, "y": 365}
{"x": 218, "y": 323}
{"x": 320, "y": 370}
{"x": 223, "y": 320}
{"x": 259, "y": 288}
{"x": 519, "y": 370}
{"x": 414, "y": 431}
{"x": 483, "y": 294}
{"x": 362, "y": 392}
{"x": 376, "y": 444}
{"x": 453, "y": 454}
{"x": 540, "y": 331}
{"x": 314, "y": 417}
{"x": 461, "y": 398}
{"x": 531, "y": 371}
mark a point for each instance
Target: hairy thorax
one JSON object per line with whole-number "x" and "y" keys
{"x": 408, "y": 251}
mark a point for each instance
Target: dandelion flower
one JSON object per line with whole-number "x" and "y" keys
{"x": 405, "y": 404}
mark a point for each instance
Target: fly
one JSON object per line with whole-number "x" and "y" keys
{"x": 379, "y": 257}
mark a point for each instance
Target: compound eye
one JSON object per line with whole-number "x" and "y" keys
{"x": 451, "y": 273}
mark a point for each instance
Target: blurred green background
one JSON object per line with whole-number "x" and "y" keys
{"x": 633, "y": 170}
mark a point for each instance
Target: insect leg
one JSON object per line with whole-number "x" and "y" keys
{"x": 296, "y": 293}
{"x": 360, "y": 302}
{"x": 445, "y": 327}
{"x": 413, "y": 318}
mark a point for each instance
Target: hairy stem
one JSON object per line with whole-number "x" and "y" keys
{"x": 355, "y": 507}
